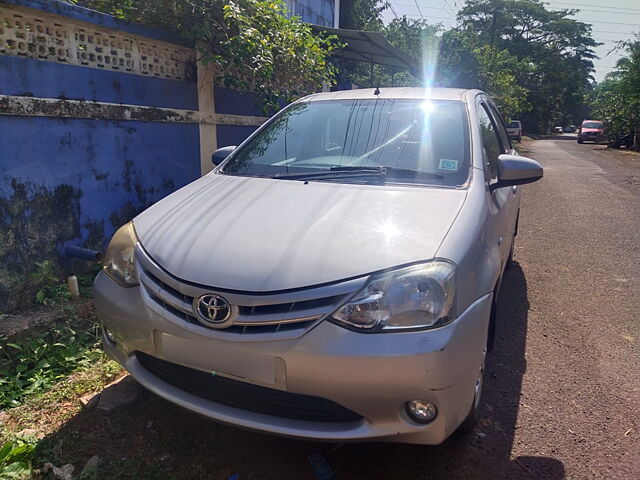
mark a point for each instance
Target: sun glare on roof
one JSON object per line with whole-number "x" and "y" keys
{"x": 427, "y": 106}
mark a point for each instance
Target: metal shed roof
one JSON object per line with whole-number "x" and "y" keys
{"x": 370, "y": 47}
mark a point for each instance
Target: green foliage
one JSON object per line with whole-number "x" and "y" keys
{"x": 29, "y": 367}
{"x": 616, "y": 101}
{"x": 362, "y": 14}
{"x": 48, "y": 282}
{"x": 464, "y": 62}
{"x": 496, "y": 75}
{"x": 267, "y": 48}
{"x": 15, "y": 459}
{"x": 550, "y": 55}
{"x": 252, "y": 42}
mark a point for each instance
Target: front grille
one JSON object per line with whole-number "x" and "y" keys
{"x": 247, "y": 396}
{"x": 268, "y": 318}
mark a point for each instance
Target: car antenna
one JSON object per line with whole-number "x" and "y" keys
{"x": 376, "y": 91}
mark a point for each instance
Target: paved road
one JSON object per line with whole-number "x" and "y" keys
{"x": 563, "y": 387}
{"x": 579, "y": 253}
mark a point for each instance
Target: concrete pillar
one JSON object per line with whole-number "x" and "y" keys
{"x": 207, "y": 109}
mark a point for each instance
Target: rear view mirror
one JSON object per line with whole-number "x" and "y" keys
{"x": 220, "y": 154}
{"x": 516, "y": 170}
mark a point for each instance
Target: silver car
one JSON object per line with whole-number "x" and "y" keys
{"x": 334, "y": 277}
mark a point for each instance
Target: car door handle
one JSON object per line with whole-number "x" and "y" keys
{"x": 514, "y": 189}
{"x": 500, "y": 240}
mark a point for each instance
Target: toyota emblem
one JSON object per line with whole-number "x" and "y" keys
{"x": 213, "y": 309}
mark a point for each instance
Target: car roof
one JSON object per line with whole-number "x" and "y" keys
{"x": 393, "y": 93}
{"x": 599, "y": 121}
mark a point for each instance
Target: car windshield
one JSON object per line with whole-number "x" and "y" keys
{"x": 592, "y": 125}
{"x": 364, "y": 140}
{"x": 514, "y": 125}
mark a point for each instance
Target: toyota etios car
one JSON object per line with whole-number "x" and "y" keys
{"x": 334, "y": 277}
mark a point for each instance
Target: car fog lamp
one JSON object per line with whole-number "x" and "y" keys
{"x": 420, "y": 411}
{"x": 109, "y": 334}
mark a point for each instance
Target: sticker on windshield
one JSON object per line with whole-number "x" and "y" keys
{"x": 448, "y": 164}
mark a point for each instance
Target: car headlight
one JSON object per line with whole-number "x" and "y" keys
{"x": 119, "y": 261}
{"x": 417, "y": 297}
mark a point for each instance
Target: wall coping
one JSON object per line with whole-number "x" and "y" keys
{"x": 76, "y": 12}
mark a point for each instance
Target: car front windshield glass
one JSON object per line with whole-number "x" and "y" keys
{"x": 592, "y": 125}
{"x": 407, "y": 141}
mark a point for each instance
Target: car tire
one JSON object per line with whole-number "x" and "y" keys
{"x": 518, "y": 139}
{"x": 471, "y": 420}
{"x": 580, "y": 140}
{"x": 509, "y": 263}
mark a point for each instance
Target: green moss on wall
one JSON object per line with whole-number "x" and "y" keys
{"x": 34, "y": 222}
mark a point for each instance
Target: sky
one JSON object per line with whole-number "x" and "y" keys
{"x": 612, "y": 20}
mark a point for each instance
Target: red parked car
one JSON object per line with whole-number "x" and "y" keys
{"x": 591, "y": 131}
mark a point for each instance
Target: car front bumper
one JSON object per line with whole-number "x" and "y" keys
{"x": 373, "y": 375}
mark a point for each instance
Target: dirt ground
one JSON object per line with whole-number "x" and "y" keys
{"x": 562, "y": 395}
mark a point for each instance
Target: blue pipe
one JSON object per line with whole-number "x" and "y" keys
{"x": 71, "y": 251}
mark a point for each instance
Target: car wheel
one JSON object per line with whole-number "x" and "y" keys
{"x": 491, "y": 335}
{"x": 580, "y": 140}
{"x": 471, "y": 420}
{"x": 519, "y": 138}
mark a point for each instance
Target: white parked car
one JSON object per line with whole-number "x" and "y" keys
{"x": 514, "y": 130}
{"x": 335, "y": 277}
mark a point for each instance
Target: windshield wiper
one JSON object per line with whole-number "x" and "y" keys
{"x": 359, "y": 171}
{"x": 335, "y": 172}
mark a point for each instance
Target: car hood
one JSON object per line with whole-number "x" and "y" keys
{"x": 259, "y": 234}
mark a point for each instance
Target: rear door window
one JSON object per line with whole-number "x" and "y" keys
{"x": 491, "y": 146}
{"x": 501, "y": 130}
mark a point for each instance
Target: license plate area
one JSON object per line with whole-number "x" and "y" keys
{"x": 220, "y": 358}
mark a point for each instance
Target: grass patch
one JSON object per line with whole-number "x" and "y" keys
{"x": 48, "y": 411}
{"x": 43, "y": 375}
{"x": 31, "y": 366}
{"x": 46, "y": 414}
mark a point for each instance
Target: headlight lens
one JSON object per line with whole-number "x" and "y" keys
{"x": 119, "y": 262}
{"x": 417, "y": 297}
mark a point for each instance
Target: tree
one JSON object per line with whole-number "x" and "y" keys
{"x": 496, "y": 75}
{"x": 252, "y": 42}
{"x": 616, "y": 100}
{"x": 555, "y": 49}
{"x": 466, "y": 63}
{"x": 362, "y": 14}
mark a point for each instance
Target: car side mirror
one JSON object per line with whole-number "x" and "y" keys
{"x": 220, "y": 154}
{"x": 516, "y": 170}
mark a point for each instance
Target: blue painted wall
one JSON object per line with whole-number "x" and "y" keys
{"x": 232, "y": 134}
{"x": 115, "y": 165}
{"x": 51, "y": 151}
{"x": 75, "y": 181}
{"x": 35, "y": 78}
{"x": 318, "y": 12}
{"x": 237, "y": 103}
